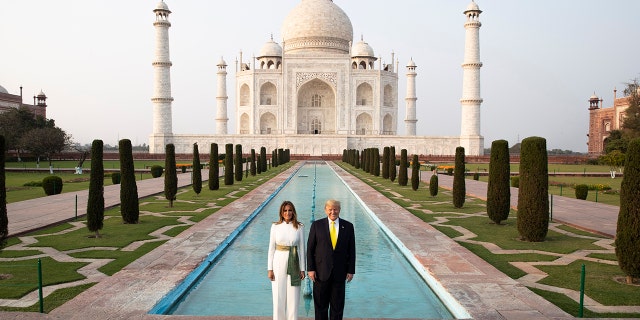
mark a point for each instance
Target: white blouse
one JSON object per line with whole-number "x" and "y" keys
{"x": 285, "y": 234}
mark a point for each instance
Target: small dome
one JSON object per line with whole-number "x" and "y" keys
{"x": 472, "y": 7}
{"x": 162, "y": 6}
{"x": 411, "y": 64}
{"x": 221, "y": 62}
{"x": 3, "y": 90}
{"x": 270, "y": 49}
{"x": 593, "y": 97}
{"x": 41, "y": 94}
{"x": 362, "y": 49}
{"x": 317, "y": 25}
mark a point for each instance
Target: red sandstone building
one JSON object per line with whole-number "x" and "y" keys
{"x": 603, "y": 120}
{"x": 10, "y": 101}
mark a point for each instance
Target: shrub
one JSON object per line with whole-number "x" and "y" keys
{"x": 433, "y": 185}
{"x": 95, "y": 202}
{"x": 52, "y": 185}
{"x": 116, "y": 177}
{"x": 459, "y": 187}
{"x": 403, "y": 178}
{"x": 238, "y": 163}
{"x": 533, "y": 194}
{"x": 4, "y": 218}
{"x": 476, "y": 176}
{"x": 392, "y": 164}
{"x": 415, "y": 173}
{"x": 498, "y": 191}
{"x": 156, "y": 171}
{"x": 33, "y": 184}
{"x": 582, "y": 190}
{"x": 129, "y": 202}
{"x": 214, "y": 168}
{"x": 449, "y": 171}
{"x": 196, "y": 176}
{"x": 515, "y": 182}
{"x": 228, "y": 164}
{"x": 171, "y": 176}
{"x": 385, "y": 163}
{"x": 628, "y": 230}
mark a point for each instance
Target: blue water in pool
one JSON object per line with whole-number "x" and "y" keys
{"x": 385, "y": 285}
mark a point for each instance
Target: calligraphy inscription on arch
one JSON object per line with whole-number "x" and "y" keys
{"x": 329, "y": 77}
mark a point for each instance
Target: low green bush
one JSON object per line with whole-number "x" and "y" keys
{"x": 515, "y": 182}
{"x": 433, "y": 185}
{"x": 156, "y": 171}
{"x": 116, "y": 177}
{"x": 582, "y": 190}
{"x": 52, "y": 185}
{"x": 449, "y": 171}
{"x": 33, "y": 184}
{"x": 476, "y": 176}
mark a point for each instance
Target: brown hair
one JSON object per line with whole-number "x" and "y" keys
{"x": 294, "y": 219}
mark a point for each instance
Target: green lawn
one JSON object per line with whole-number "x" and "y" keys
{"x": 601, "y": 277}
{"x": 19, "y": 266}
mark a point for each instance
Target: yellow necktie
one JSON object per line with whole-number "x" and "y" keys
{"x": 332, "y": 233}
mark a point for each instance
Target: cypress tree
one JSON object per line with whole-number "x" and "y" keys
{"x": 392, "y": 163}
{"x": 228, "y": 164}
{"x": 357, "y": 158}
{"x": 263, "y": 158}
{"x": 403, "y": 178}
{"x": 171, "y": 174}
{"x": 274, "y": 158}
{"x": 259, "y": 164}
{"x": 95, "y": 202}
{"x": 376, "y": 162}
{"x": 197, "y": 170}
{"x": 415, "y": 173}
{"x": 238, "y": 161}
{"x": 129, "y": 205}
{"x": 628, "y": 231}
{"x": 253, "y": 162}
{"x": 385, "y": 163}
{"x": 533, "y": 195}
{"x": 459, "y": 187}
{"x": 4, "y": 218}
{"x": 214, "y": 168}
{"x": 498, "y": 188}
{"x": 433, "y": 185}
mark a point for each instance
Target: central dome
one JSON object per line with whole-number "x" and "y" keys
{"x": 317, "y": 25}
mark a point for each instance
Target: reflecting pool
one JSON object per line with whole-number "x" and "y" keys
{"x": 385, "y": 284}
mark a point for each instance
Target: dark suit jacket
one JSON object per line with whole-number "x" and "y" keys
{"x": 323, "y": 259}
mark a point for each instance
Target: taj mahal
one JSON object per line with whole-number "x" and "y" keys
{"x": 318, "y": 92}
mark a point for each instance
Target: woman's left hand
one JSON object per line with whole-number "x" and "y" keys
{"x": 301, "y": 275}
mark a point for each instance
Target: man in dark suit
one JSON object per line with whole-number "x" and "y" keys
{"x": 331, "y": 261}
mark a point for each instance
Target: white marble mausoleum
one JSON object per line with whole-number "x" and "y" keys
{"x": 317, "y": 92}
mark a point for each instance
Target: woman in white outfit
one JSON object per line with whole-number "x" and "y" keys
{"x": 286, "y": 265}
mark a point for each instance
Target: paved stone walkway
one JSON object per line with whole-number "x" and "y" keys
{"x": 471, "y": 280}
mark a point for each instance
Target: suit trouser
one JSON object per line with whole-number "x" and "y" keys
{"x": 328, "y": 298}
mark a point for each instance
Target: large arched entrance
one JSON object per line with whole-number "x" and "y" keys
{"x": 316, "y": 108}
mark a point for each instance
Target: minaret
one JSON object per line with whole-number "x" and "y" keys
{"x": 221, "y": 99}
{"x": 411, "y": 99}
{"x": 161, "y": 83}
{"x": 470, "y": 137}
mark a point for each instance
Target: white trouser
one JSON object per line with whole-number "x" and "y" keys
{"x": 286, "y": 298}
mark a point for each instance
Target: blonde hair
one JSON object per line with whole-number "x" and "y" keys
{"x": 332, "y": 202}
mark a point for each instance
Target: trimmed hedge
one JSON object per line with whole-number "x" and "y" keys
{"x": 433, "y": 185}
{"x": 52, "y": 185}
{"x": 156, "y": 171}
{"x": 116, "y": 177}
{"x": 582, "y": 191}
{"x": 533, "y": 194}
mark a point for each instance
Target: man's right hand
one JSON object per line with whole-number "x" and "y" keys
{"x": 312, "y": 275}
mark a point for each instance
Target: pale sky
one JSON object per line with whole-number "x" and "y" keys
{"x": 542, "y": 59}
